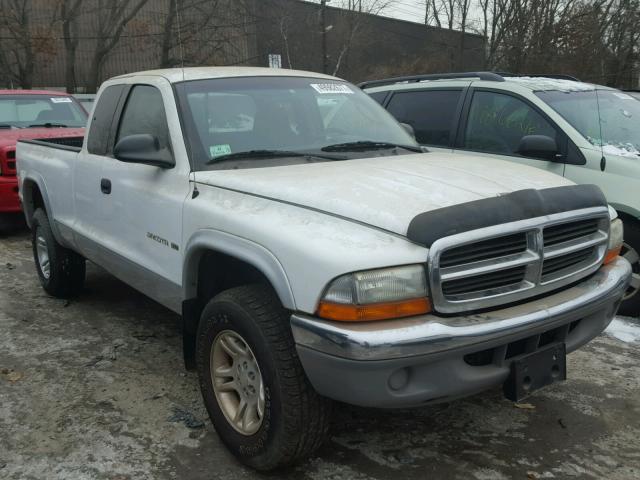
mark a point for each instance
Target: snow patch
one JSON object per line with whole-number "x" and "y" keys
{"x": 623, "y": 150}
{"x": 626, "y": 330}
{"x": 541, "y": 84}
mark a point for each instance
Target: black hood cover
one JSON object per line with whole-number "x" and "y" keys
{"x": 428, "y": 227}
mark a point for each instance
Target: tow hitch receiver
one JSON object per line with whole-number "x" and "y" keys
{"x": 535, "y": 370}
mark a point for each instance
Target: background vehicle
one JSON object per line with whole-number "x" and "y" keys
{"x": 315, "y": 252}
{"x": 28, "y": 114}
{"x": 634, "y": 93}
{"x": 86, "y": 100}
{"x": 588, "y": 133}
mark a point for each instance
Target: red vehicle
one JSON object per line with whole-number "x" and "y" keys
{"x": 32, "y": 114}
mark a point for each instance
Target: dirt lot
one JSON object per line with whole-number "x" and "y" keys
{"x": 95, "y": 389}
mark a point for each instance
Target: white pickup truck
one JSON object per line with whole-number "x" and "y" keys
{"x": 316, "y": 252}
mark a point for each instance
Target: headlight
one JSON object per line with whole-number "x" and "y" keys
{"x": 376, "y": 295}
{"x": 616, "y": 238}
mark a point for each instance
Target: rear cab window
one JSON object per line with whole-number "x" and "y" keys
{"x": 432, "y": 114}
{"x": 103, "y": 117}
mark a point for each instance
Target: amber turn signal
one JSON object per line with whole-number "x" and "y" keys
{"x": 374, "y": 311}
{"x": 612, "y": 255}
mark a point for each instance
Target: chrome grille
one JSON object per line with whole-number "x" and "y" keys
{"x": 492, "y": 248}
{"x": 503, "y": 278}
{"x": 556, "y": 265}
{"x": 506, "y": 263}
{"x": 569, "y": 231}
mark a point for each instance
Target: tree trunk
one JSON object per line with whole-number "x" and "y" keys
{"x": 95, "y": 72}
{"x": 70, "y": 46}
{"x": 167, "y": 36}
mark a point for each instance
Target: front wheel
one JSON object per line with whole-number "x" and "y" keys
{"x": 255, "y": 390}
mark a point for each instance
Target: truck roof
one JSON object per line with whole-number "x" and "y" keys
{"x": 175, "y": 75}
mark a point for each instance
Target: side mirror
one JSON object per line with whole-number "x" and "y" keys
{"x": 538, "y": 146}
{"x": 409, "y": 129}
{"x": 143, "y": 149}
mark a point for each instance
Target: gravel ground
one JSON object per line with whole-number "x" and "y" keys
{"x": 95, "y": 389}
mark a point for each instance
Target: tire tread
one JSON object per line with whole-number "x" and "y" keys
{"x": 305, "y": 413}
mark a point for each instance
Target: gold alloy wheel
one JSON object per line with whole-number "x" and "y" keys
{"x": 237, "y": 382}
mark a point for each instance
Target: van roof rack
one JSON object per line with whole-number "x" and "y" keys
{"x": 490, "y": 76}
{"x": 556, "y": 76}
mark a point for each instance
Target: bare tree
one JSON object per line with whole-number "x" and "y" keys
{"x": 18, "y": 53}
{"x": 69, "y": 12}
{"x": 432, "y": 11}
{"x": 352, "y": 24}
{"x": 437, "y": 11}
{"x": 111, "y": 19}
{"x": 462, "y": 8}
{"x": 284, "y": 32}
{"x": 196, "y": 32}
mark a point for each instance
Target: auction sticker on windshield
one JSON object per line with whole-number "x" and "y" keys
{"x": 61, "y": 100}
{"x": 219, "y": 150}
{"x": 331, "y": 88}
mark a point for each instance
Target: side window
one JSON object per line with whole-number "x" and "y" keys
{"x": 497, "y": 122}
{"x": 379, "y": 96}
{"x": 144, "y": 113}
{"x": 98, "y": 140}
{"x": 431, "y": 113}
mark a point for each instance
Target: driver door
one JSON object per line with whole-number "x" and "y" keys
{"x": 495, "y": 124}
{"x": 143, "y": 208}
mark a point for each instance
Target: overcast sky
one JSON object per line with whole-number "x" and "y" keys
{"x": 411, "y": 10}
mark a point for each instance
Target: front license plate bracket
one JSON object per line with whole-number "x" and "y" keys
{"x": 532, "y": 371}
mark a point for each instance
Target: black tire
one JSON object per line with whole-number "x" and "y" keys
{"x": 296, "y": 419}
{"x": 631, "y": 307}
{"x": 66, "y": 268}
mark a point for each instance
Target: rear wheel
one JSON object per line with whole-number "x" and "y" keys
{"x": 61, "y": 271}
{"x": 631, "y": 251}
{"x": 255, "y": 390}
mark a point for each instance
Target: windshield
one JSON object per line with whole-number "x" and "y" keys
{"x": 263, "y": 121}
{"x": 618, "y": 131}
{"x": 24, "y": 111}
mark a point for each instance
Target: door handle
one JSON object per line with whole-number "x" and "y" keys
{"x": 105, "y": 186}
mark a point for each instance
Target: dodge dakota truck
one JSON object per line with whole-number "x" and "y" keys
{"x": 315, "y": 252}
{"x": 31, "y": 114}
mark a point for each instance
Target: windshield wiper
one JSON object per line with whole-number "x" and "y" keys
{"x": 49, "y": 125}
{"x": 271, "y": 154}
{"x": 368, "y": 145}
{"x": 5, "y": 125}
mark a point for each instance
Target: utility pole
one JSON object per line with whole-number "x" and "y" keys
{"x": 323, "y": 22}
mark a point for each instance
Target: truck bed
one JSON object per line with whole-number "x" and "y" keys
{"x": 73, "y": 144}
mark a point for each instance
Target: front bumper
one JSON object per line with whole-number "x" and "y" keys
{"x": 409, "y": 362}
{"x": 9, "y": 200}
